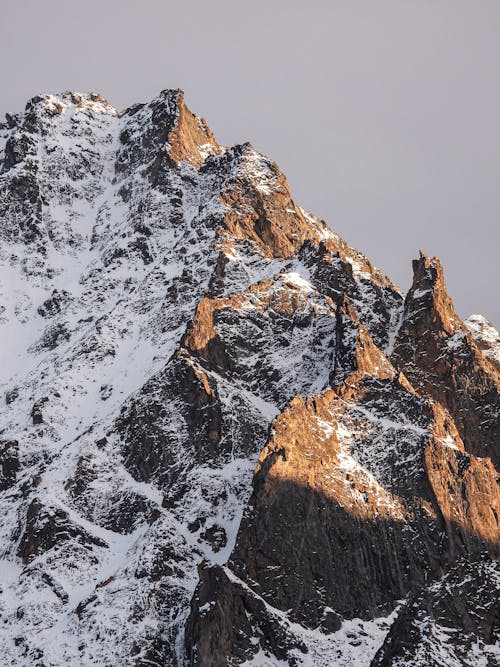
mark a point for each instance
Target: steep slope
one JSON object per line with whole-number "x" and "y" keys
{"x": 437, "y": 352}
{"x": 486, "y": 336}
{"x": 451, "y": 622}
{"x": 366, "y": 476}
{"x": 175, "y": 326}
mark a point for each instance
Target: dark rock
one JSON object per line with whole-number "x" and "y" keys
{"x": 37, "y": 410}
{"x": 9, "y": 463}
{"x": 47, "y": 528}
{"x": 228, "y": 620}
{"x": 55, "y": 304}
{"x": 445, "y": 621}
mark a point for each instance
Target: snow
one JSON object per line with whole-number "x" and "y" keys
{"x": 323, "y": 232}
{"x": 486, "y": 336}
{"x": 298, "y": 280}
{"x": 206, "y": 149}
{"x": 420, "y": 293}
{"x": 123, "y": 328}
{"x": 436, "y": 640}
{"x": 354, "y": 645}
{"x": 119, "y": 264}
{"x": 449, "y": 442}
{"x": 456, "y": 341}
{"x": 120, "y": 347}
{"x": 259, "y": 170}
{"x": 342, "y": 429}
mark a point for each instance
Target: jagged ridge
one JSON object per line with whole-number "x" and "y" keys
{"x": 175, "y": 320}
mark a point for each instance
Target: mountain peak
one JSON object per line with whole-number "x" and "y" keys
{"x": 427, "y": 272}
{"x": 69, "y": 100}
{"x": 486, "y": 336}
{"x": 227, "y": 438}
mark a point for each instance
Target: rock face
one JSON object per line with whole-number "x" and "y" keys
{"x": 486, "y": 336}
{"x": 438, "y": 354}
{"x": 227, "y": 438}
{"x": 453, "y": 621}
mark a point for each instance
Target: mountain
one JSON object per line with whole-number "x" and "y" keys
{"x": 486, "y": 336}
{"x": 226, "y": 438}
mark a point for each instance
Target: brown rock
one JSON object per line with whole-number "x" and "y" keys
{"x": 437, "y": 353}
{"x": 362, "y": 494}
{"x": 264, "y": 214}
{"x": 190, "y": 139}
{"x": 466, "y": 488}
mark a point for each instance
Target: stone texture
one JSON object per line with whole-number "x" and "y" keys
{"x": 437, "y": 353}
{"x": 226, "y": 435}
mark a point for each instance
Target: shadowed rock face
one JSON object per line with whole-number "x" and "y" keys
{"x": 47, "y": 530}
{"x": 362, "y": 495}
{"x": 454, "y": 621}
{"x": 225, "y": 628}
{"x": 226, "y": 435}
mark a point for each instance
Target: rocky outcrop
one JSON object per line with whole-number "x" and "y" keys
{"x": 190, "y": 139}
{"x": 226, "y": 435}
{"x": 168, "y": 129}
{"x": 486, "y": 336}
{"x": 437, "y": 353}
{"x": 272, "y": 338}
{"x": 226, "y": 625}
{"x": 466, "y": 489}
{"x": 260, "y": 209}
{"x": 336, "y": 270}
{"x": 152, "y": 446}
{"x": 327, "y": 485}
{"x": 454, "y": 621}
{"x": 47, "y": 528}
{"x": 10, "y": 465}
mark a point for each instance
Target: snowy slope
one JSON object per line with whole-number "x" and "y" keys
{"x": 162, "y": 300}
{"x": 486, "y": 336}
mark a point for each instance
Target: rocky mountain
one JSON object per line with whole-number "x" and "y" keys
{"x": 226, "y": 438}
{"x": 486, "y": 336}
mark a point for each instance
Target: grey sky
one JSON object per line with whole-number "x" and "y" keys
{"x": 384, "y": 114}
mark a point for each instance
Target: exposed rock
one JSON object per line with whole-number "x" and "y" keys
{"x": 327, "y": 483}
{"x": 260, "y": 209}
{"x": 437, "y": 353}
{"x": 486, "y": 336}
{"x": 454, "y": 621}
{"x": 54, "y": 304}
{"x": 9, "y": 463}
{"x": 151, "y": 447}
{"x": 190, "y": 139}
{"x": 48, "y": 527}
{"x": 37, "y": 410}
{"x": 336, "y": 269}
{"x": 467, "y": 489}
{"x": 51, "y": 337}
{"x": 180, "y": 327}
{"x": 227, "y": 618}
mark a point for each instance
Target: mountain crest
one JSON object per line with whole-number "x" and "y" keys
{"x": 227, "y": 438}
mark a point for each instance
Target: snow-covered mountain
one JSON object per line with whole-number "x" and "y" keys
{"x": 226, "y": 437}
{"x": 486, "y": 336}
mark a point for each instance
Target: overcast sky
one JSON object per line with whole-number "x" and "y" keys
{"x": 384, "y": 114}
